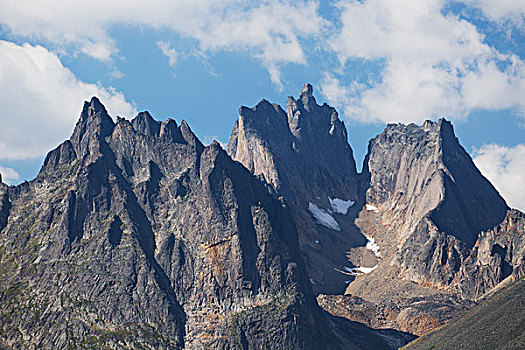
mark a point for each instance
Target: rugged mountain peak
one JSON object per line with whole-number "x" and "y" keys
{"x": 145, "y": 124}
{"x": 307, "y": 90}
{"x": 307, "y": 96}
{"x": 189, "y": 136}
{"x": 94, "y": 114}
{"x": 173, "y": 244}
{"x": 93, "y": 126}
{"x": 313, "y": 124}
{"x": 424, "y": 170}
{"x": 304, "y": 154}
{"x": 427, "y": 207}
{"x": 306, "y": 130}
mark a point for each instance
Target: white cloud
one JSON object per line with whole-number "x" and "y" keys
{"x": 505, "y": 168}
{"x": 501, "y": 10}
{"x": 116, "y": 74}
{"x": 41, "y": 100}
{"x": 490, "y": 88}
{"x": 269, "y": 30}
{"x": 169, "y": 52}
{"x": 434, "y": 64}
{"x": 275, "y": 76}
{"x": 8, "y": 175}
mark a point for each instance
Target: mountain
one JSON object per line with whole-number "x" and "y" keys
{"x": 425, "y": 236}
{"x": 303, "y": 153}
{"x": 445, "y": 234}
{"x": 136, "y": 235}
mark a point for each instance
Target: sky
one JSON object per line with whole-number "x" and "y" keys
{"x": 376, "y": 61}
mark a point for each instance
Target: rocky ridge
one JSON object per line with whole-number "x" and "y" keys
{"x": 496, "y": 323}
{"x": 426, "y": 225}
{"x": 293, "y": 151}
{"x": 135, "y": 234}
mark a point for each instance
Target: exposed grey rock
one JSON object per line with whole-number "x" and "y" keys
{"x": 441, "y": 226}
{"x": 434, "y": 198}
{"x": 304, "y": 154}
{"x": 423, "y": 171}
{"x": 445, "y": 235}
{"x": 5, "y": 205}
{"x": 135, "y": 235}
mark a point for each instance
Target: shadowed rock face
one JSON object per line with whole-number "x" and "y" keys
{"x": 417, "y": 171}
{"x": 304, "y": 154}
{"x": 136, "y": 235}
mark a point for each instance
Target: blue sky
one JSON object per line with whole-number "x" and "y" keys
{"x": 376, "y": 61}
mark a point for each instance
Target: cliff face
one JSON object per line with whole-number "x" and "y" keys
{"x": 434, "y": 201}
{"x": 304, "y": 154}
{"x": 419, "y": 171}
{"x": 424, "y": 224}
{"x": 445, "y": 234}
{"x": 135, "y": 234}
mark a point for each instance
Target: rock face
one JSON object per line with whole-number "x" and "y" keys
{"x": 303, "y": 153}
{"x": 135, "y": 235}
{"x": 422, "y": 171}
{"x": 444, "y": 232}
{"x": 436, "y": 205}
{"x": 426, "y": 226}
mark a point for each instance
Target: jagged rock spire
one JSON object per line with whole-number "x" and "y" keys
{"x": 93, "y": 125}
{"x": 304, "y": 154}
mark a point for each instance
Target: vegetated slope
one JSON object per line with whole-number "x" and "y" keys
{"x": 136, "y": 235}
{"x": 497, "y": 323}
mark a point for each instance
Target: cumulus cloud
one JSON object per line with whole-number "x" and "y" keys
{"x": 270, "y": 30}
{"x": 41, "y": 100}
{"x": 501, "y": 10}
{"x": 505, "y": 168}
{"x": 8, "y": 175}
{"x": 434, "y": 64}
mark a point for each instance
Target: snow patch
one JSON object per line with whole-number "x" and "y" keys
{"x": 340, "y": 205}
{"x": 372, "y": 245}
{"x": 359, "y": 270}
{"x": 323, "y": 217}
{"x": 372, "y": 208}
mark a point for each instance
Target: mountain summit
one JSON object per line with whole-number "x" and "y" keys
{"x": 304, "y": 154}
{"x": 136, "y": 235}
{"x": 420, "y": 220}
